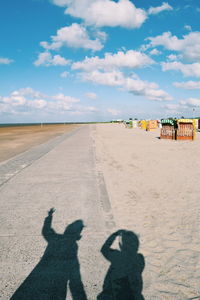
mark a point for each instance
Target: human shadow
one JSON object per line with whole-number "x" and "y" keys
{"x": 123, "y": 280}
{"x": 58, "y": 267}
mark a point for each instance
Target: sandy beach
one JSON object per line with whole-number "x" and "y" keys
{"x": 153, "y": 187}
{"x": 17, "y": 139}
{"x": 152, "y": 190}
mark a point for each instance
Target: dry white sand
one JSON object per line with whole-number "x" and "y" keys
{"x": 154, "y": 188}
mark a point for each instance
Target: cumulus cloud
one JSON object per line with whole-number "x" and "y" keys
{"x": 191, "y": 102}
{"x": 28, "y": 91}
{"x": 5, "y": 61}
{"x": 101, "y": 13}
{"x": 62, "y": 2}
{"x": 131, "y": 84}
{"x": 186, "y": 69}
{"x": 64, "y": 74}
{"x": 107, "y": 71}
{"x": 91, "y": 95}
{"x": 47, "y": 59}
{"x": 20, "y": 101}
{"x": 172, "y": 57}
{"x": 112, "y": 78}
{"x": 28, "y": 100}
{"x": 38, "y": 103}
{"x": 14, "y": 100}
{"x": 188, "y": 46}
{"x": 188, "y": 27}
{"x": 157, "y": 95}
{"x": 129, "y": 59}
{"x": 158, "y": 9}
{"x": 188, "y": 85}
{"x": 63, "y": 98}
{"x": 75, "y": 36}
{"x": 155, "y": 52}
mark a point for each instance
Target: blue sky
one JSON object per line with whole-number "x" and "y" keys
{"x": 97, "y": 60}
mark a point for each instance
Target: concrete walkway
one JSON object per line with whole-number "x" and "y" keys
{"x": 60, "y": 174}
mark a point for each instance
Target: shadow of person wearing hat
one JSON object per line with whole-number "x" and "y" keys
{"x": 123, "y": 280}
{"x": 58, "y": 267}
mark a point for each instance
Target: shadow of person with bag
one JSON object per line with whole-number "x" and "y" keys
{"x": 123, "y": 280}
{"x": 58, "y": 266}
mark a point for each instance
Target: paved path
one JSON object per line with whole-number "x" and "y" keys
{"x": 62, "y": 174}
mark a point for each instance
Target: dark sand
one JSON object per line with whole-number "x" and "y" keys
{"x": 17, "y": 139}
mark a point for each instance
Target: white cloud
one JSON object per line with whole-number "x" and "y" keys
{"x": 106, "y": 71}
{"x": 113, "y": 112}
{"x": 5, "y": 61}
{"x": 38, "y": 104}
{"x": 172, "y": 57}
{"x": 24, "y": 97}
{"x": 158, "y": 9}
{"x": 112, "y": 78}
{"x": 21, "y": 101}
{"x": 157, "y": 95}
{"x": 28, "y": 100}
{"x": 14, "y": 100}
{"x": 130, "y": 84}
{"x": 129, "y": 59}
{"x": 138, "y": 86}
{"x": 101, "y": 35}
{"x": 61, "y": 102}
{"x": 47, "y": 59}
{"x": 65, "y": 99}
{"x": 64, "y": 74}
{"x": 155, "y": 52}
{"x": 188, "y": 85}
{"x": 61, "y": 2}
{"x": 28, "y": 91}
{"x": 105, "y": 12}
{"x": 75, "y": 36}
{"x": 189, "y": 46}
{"x": 186, "y": 69}
{"x": 188, "y": 27}
{"x": 191, "y": 102}
{"x": 91, "y": 95}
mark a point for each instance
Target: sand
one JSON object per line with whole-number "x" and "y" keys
{"x": 153, "y": 186}
{"x": 154, "y": 191}
{"x": 17, "y": 139}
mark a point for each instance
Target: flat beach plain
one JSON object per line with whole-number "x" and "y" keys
{"x": 17, "y": 139}
{"x": 154, "y": 190}
{"x": 153, "y": 186}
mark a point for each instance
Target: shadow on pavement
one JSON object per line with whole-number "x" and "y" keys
{"x": 58, "y": 267}
{"x": 123, "y": 280}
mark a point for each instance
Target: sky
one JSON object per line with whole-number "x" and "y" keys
{"x": 98, "y": 60}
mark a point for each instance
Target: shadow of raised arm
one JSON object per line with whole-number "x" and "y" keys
{"x": 106, "y": 248}
{"x": 123, "y": 280}
{"x": 47, "y": 231}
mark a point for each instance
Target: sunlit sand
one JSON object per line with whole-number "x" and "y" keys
{"x": 153, "y": 187}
